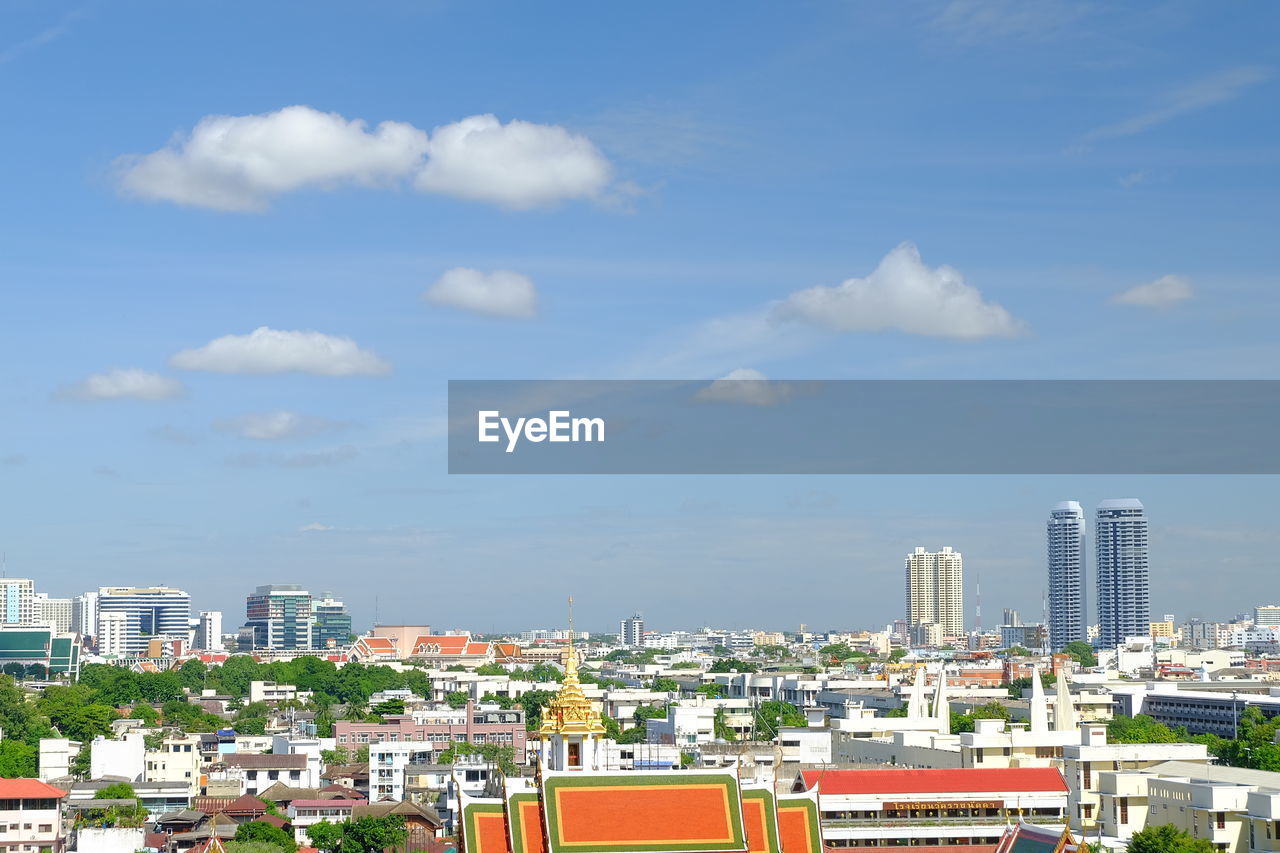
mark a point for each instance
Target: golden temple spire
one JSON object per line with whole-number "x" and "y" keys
{"x": 571, "y": 659}
{"x": 571, "y": 712}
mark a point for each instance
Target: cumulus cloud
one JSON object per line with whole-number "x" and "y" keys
{"x": 314, "y": 527}
{"x": 903, "y": 293}
{"x": 272, "y": 426}
{"x": 1161, "y": 293}
{"x": 501, "y": 293}
{"x": 516, "y": 165}
{"x": 747, "y": 386}
{"x": 240, "y": 163}
{"x": 266, "y": 350}
{"x": 126, "y": 384}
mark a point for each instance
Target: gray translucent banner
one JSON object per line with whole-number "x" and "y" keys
{"x": 753, "y": 426}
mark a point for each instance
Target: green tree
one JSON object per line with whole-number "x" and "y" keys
{"x": 664, "y": 685}
{"x": 1020, "y": 684}
{"x": 771, "y": 715}
{"x": 130, "y": 814}
{"x": 720, "y": 727}
{"x": 713, "y": 690}
{"x": 733, "y": 665}
{"x": 373, "y": 834}
{"x": 325, "y": 836}
{"x": 840, "y": 652}
{"x": 457, "y": 699}
{"x": 648, "y": 712}
{"x": 389, "y": 708}
{"x": 148, "y": 715}
{"x": 260, "y": 830}
{"x": 533, "y": 702}
{"x": 17, "y": 759}
{"x": 193, "y": 674}
{"x": 362, "y": 835}
{"x": 686, "y": 664}
{"x": 1167, "y": 838}
{"x": 1140, "y": 729}
{"x": 1081, "y": 652}
{"x": 73, "y": 711}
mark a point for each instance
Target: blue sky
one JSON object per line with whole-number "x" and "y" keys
{"x": 667, "y": 191}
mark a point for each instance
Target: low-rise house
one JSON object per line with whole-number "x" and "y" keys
{"x": 422, "y": 821}
{"x": 259, "y": 772}
{"x": 353, "y": 776}
{"x": 305, "y": 813}
{"x": 31, "y": 816}
{"x": 57, "y": 754}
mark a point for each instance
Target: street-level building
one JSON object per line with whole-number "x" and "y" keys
{"x": 30, "y": 816}
{"x": 933, "y": 810}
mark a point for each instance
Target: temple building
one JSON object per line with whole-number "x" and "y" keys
{"x": 576, "y": 805}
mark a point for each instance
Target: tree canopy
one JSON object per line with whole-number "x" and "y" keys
{"x": 1167, "y": 838}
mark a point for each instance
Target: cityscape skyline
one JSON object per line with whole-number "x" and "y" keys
{"x": 704, "y": 236}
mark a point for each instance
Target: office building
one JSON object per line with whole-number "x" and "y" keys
{"x": 209, "y": 631}
{"x": 1124, "y": 576}
{"x": 332, "y": 622}
{"x": 631, "y": 632}
{"x": 84, "y": 614}
{"x": 54, "y": 612}
{"x": 17, "y": 601}
{"x": 935, "y": 589}
{"x": 113, "y": 629}
{"x": 149, "y": 612}
{"x": 1266, "y": 616}
{"x": 1068, "y": 604}
{"x": 280, "y": 617}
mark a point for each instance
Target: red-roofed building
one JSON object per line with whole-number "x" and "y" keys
{"x": 964, "y": 809}
{"x": 374, "y": 650}
{"x": 31, "y": 816}
{"x": 451, "y": 649}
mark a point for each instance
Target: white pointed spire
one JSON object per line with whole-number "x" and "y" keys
{"x": 1064, "y": 711}
{"x": 942, "y": 704}
{"x": 916, "y": 709}
{"x": 1039, "y": 709}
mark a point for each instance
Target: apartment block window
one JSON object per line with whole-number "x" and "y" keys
{"x": 1220, "y": 820}
{"x": 46, "y": 827}
{"x": 1124, "y": 809}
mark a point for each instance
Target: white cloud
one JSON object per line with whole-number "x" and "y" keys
{"x": 502, "y": 293}
{"x": 240, "y": 163}
{"x": 314, "y": 527}
{"x": 126, "y": 384}
{"x": 517, "y": 165}
{"x": 1161, "y": 293}
{"x": 1214, "y": 89}
{"x": 903, "y": 293}
{"x": 973, "y": 22}
{"x": 1133, "y": 179}
{"x": 272, "y": 426}
{"x": 747, "y": 386}
{"x": 267, "y": 350}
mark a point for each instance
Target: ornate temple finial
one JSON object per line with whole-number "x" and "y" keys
{"x": 571, "y": 658}
{"x": 571, "y": 712}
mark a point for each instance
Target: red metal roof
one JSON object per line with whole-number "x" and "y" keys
{"x": 29, "y": 789}
{"x": 966, "y": 780}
